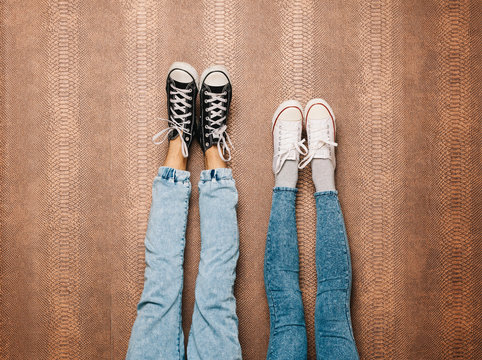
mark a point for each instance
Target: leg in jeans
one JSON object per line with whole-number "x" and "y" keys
{"x": 214, "y": 330}
{"x": 157, "y": 332}
{"x": 334, "y": 334}
{"x": 287, "y": 338}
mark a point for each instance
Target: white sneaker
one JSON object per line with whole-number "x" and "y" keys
{"x": 320, "y": 128}
{"x": 286, "y": 130}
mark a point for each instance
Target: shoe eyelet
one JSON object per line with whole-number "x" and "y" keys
{"x": 207, "y": 144}
{"x": 190, "y": 90}
{"x": 187, "y": 138}
{"x": 207, "y": 135}
{"x": 205, "y": 126}
{"x": 205, "y": 101}
{"x": 205, "y": 92}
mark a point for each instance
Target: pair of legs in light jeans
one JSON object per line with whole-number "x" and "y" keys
{"x": 157, "y": 331}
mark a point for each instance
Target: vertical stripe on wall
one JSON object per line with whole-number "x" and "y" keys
{"x": 455, "y": 180}
{"x": 380, "y": 150}
{"x": 141, "y": 53}
{"x": 63, "y": 190}
{"x": 4, "y": 344}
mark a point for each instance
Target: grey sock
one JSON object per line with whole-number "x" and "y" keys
{"x": 323, "y": 174}
{"x": 288, "y": 175}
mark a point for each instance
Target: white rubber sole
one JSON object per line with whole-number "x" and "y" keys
{"x": 186, "y": 67}
{"x": 284, "y": 105}
{"x": 210, "y": 69}
{"x": 310, "y": 103}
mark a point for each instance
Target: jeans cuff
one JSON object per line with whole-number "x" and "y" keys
{"x": 284, "y": 188}
{"x": 174, "y": 174}
{"x": 326, "y": 193}
{"x": 216, "y": 174}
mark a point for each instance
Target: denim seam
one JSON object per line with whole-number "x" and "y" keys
{"x": 179, "y": 332}
{"x": 271, "y": 292}
{"x": 348, "y": 290}
{"x": 270, "y": 295}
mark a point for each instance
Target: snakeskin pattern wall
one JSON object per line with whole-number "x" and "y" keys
{"x": 82, "y": 87}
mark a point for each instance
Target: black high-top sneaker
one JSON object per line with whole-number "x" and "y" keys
{"x": 181, "y": 88}
{"x": 215, "y": 97}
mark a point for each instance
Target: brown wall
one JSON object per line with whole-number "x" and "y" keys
{"x": 81, "y": 86}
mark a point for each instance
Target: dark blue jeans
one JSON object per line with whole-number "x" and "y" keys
{"x": 334, "y": 334}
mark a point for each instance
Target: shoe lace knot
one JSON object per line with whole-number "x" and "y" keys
{"x": 320, "y": 138}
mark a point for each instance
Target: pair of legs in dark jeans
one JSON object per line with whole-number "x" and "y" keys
{"x": 333, "y": 331}
{"x": 334, "y": 335}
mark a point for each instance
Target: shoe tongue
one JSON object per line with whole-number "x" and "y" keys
{"x": 318, "y": 118}
{"x": 292, "y": 125}
{"x": 215, "y": 89}
{"x": 319, "y": 122}
{"x": 181, "y": 85}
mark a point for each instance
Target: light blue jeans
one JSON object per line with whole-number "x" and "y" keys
{"x": 333, "y": 330}
{"x": 157, "y": 332}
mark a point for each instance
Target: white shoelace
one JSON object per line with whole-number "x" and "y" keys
{"x": 179, "y": 110}
{"x": 289, "y": 142}
{"x": 320, "y": 136}
{"x": 216, "y": 110}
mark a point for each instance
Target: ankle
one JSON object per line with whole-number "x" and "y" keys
{"x": 212, "y": 160}
{"x": 323, "y": 174}
{"x": 288, "y": 175}
{"x": 174, "y": 157}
